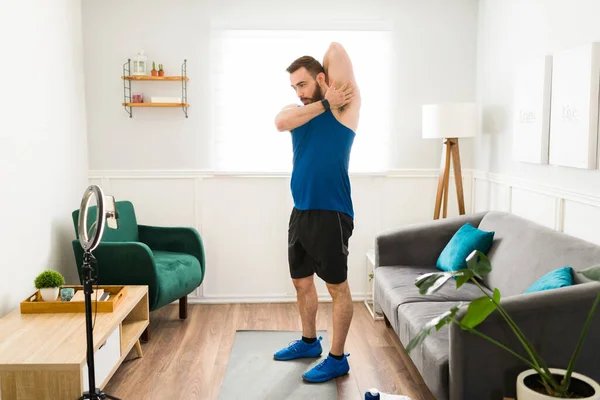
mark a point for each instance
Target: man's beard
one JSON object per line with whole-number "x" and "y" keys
{"x": 316, "y": 96}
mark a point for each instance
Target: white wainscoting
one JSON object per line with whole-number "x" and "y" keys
{"x": 243, "y": 220}
{"x": 574, "y": 213}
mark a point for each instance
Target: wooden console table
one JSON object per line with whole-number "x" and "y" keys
{"x": 43, "y": 356}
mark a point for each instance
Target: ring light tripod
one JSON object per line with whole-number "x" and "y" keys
{"x": 105, "y": 212}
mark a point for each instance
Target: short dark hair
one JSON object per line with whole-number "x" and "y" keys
{"x": 313, "y": 66}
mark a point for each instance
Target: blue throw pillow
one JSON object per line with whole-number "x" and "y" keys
{"x": 464, "y": 241}
{"x": 558, "y": 278}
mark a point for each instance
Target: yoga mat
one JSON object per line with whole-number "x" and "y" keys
{"x": 252, "y": 372}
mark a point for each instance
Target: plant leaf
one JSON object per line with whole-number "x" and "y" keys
{"x": 479, "y": 263}
{"x": 465, "y": 275}
{"x": 592, "y": 273}
{"x": 479, "y": 309}
{"x": 496, "y": 295}
{"x": 432, "y": 282}
{"x": 437, "y": 323}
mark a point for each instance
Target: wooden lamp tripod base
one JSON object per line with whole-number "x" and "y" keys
{"x": 449, "y": 151}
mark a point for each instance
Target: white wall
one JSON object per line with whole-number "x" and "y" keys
{"x": 243, "y": 221}
{"x": 159, "y": 152}
{"x": 435, "y": 43}
{"x": 573, "y": 212}
{"x": 565, "y": 199}
{"x": 43, "y": 141}
{"x": 509, "y": 32}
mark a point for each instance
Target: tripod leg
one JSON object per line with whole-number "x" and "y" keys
{"x": 87, "y": 289}
{"x": 458, "y": 177}
{"x": 447, "y": 154}
{"x": 441, "y": 185}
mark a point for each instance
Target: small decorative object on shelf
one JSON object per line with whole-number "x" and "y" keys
{"x": 137, "y": 99}
{"x": 49, "y": 283}
{"x": 66, "y": 294}
{"x": 140, "y": 64}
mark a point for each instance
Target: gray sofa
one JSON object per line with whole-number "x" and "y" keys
{"x": 453, "y": 362}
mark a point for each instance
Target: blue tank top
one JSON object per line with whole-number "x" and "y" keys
{"x": 320, "y": 179}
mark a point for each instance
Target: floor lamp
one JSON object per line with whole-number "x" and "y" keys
{"x": 449, "y": 122}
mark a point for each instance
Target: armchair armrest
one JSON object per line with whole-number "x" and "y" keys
{"x": 121, "y": 263}
{"x": 176, "y": 239}
{"x": 552, "y": 321}
{"x": 419, "y": 244}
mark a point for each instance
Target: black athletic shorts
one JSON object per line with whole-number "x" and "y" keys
{"x": 318, "y": 242}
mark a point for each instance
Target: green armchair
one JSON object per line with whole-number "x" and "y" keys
{"x": 169, "y": 260}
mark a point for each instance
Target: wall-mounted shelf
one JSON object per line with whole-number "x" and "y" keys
{"x": 156, "y": 104}
{"x": 128, "y": 78}
{"x": 155, "y": 78}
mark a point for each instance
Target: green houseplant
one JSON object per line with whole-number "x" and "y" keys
{"x": 555, "y": 383}
{"x": 49, "y": 282}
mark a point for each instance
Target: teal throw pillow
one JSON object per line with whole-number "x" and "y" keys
{"x": 464, "y": 242}
{"x": 558, "y": 278}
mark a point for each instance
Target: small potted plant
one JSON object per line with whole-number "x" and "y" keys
{"x": 161, "y": 72}
{"x": 154, "y": 72}
{"x": 49, "y": 283}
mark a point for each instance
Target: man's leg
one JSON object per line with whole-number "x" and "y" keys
{"x": 330, "y": 245}
{"x": 343, "y": 310}
{"x": 302, "y": 272}
{"x": 308, "y": 303}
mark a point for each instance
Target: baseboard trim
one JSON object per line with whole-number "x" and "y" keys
{"x": 356, "y": 297}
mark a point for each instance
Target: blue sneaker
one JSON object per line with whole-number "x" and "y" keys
{"x": 300, "y": 349}
{"x": 327, "y": 369}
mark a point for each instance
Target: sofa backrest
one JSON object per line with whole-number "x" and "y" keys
{"x": 523, "y": 251}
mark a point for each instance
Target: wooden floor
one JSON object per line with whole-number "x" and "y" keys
{"x": 187, "y": 359}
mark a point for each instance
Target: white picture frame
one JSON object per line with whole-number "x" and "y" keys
{"x": 574, "y": 116}
{"x": 531, "y": 110}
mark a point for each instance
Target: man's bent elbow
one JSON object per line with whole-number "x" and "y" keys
{"x": 335, "y": 47}
{"x": 280, "y": 125}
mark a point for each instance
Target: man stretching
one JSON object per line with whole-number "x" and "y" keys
{"x": 322, "y": 219}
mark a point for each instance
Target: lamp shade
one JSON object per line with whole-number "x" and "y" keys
{"x": 452, "y": 120}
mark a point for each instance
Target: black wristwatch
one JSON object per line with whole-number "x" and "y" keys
{"x": 325, "y": 103}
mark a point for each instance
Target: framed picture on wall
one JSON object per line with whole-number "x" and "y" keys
{"x": 531, "y": 116}
{"x": 574, "y": 115}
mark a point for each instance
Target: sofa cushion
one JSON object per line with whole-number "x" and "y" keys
{"x": 467, "y": 239}
{"x": 558, "y": 278}
{"x": 431, "y": 357}
{"x": 523, "y": 251}
{"x": 396, "y": 285}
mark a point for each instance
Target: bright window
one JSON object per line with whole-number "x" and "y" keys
{"x": 250, "y": 85}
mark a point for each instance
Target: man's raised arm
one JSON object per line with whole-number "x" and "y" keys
{"x": 338, "y": 69}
